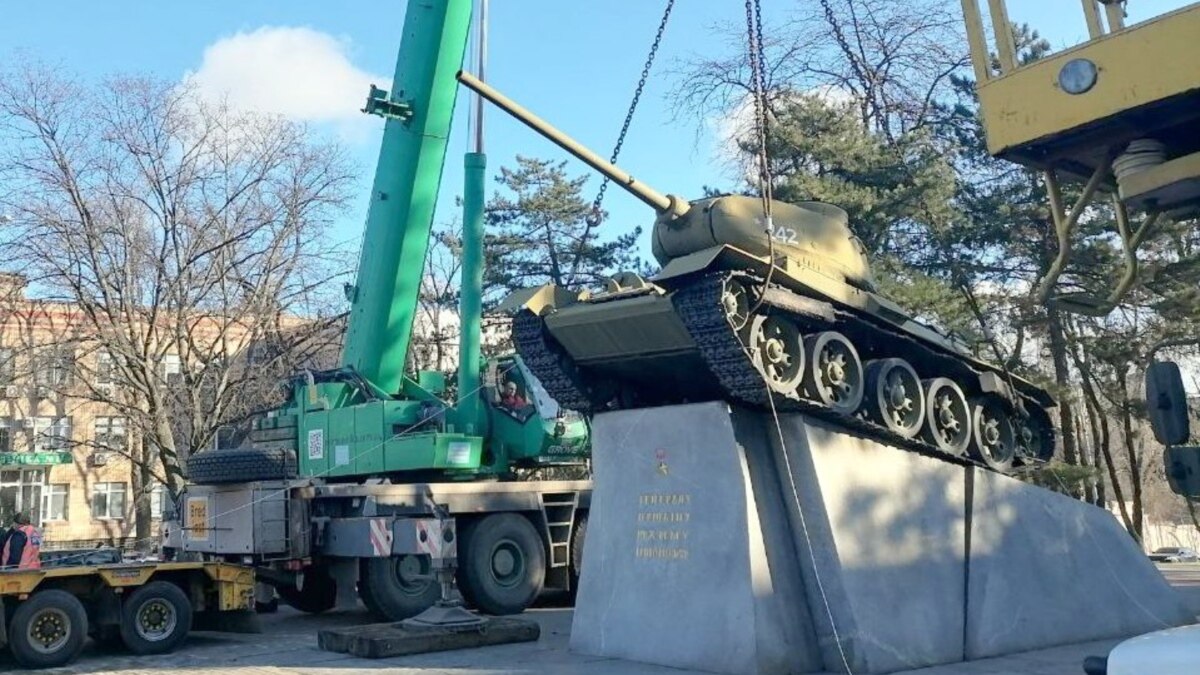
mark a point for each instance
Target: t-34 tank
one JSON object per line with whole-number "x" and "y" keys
{"x": 788, "y": 320}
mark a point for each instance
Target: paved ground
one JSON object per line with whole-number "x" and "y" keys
{"x": 287, "y": 646}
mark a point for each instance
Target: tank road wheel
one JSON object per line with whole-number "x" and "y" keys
{"x": 833, "y": 375}
{"x": 993, "y": 440}
{"x": 156, "y": 618}
{"x": 504, "y": 564}
{"x": 1035, "y": 437}
{"x": 947, "y": 416}
{"x": 735, "y": 302}
{"x": 48, "y": 629}
{"x": 894, "y": 396}
{"x": 400, "y": 586}
{"x": 778, "y": 351}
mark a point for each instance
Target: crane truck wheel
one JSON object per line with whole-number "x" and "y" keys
{"x": 155, "y": 618}
{"x": 317, "y": 592}
{"x": 240, "y": 465}
{"x": 400, "y": 586}
{"x": 577, "y": 539}
{"x": 364, "y": 591}
{"x": 504, "y": 565}
{"x": 48, "y": 629}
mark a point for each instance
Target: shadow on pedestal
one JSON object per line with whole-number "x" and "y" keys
{"x": 720, "y": 542}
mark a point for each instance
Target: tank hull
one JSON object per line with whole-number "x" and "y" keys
{"x": 675, "y": 341}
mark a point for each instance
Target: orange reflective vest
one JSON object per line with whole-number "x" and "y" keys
{"x": 30, "y": 554}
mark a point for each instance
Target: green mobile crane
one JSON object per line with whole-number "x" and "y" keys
{"x": 368, "y": 476}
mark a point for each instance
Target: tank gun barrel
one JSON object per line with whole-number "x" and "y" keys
{"x": 662, "y": 204}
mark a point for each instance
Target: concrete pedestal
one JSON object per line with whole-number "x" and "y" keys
{"x": 689, "y": 563}
{"x": 722, "y": 542}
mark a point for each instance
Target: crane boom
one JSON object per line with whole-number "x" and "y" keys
{"x": 418, "y": 111}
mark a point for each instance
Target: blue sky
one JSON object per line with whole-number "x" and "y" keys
{"x": 572, "y": 62}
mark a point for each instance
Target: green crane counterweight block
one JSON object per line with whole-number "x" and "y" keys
{"x": 381, "y": 437}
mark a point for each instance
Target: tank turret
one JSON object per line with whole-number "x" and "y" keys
{"x": 778, "y": 313}
{"x": 813, "y": 232}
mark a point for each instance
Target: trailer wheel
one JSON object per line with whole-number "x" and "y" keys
{"x": 400, "y": 586}
{"x": 319, "y": 592}
{"x": 240, "y": 465}
{"x": 155, "y": 618}
{"x": 504, "y": 566}
{"x": 48, "y": 629}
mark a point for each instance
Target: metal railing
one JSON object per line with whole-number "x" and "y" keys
{"x": 1005, "y": 45}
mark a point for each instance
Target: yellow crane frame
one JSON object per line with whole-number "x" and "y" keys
{"x": 1120, "y": 112}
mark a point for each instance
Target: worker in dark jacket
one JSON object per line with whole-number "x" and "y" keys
{"x": 20, "y": 546}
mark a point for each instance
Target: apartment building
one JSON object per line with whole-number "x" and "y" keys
{"x": 64, "y": 456}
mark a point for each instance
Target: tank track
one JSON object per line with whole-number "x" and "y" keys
{"x": 548, "y": 364}
{"x": 698, "y": 305}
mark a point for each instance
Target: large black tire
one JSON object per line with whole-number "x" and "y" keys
{"x": 395, "y": 593}
{"x": 577, "y": 538}
{"x": 318, "y": 593}
{"x": 156, "y": 618}
{"x": 365, "y": 594}
{"x": 503, "y": 565}
{"x": 48, "y": 630}
{"x": 240, "y": 465}
{"x": 465, "y": 528}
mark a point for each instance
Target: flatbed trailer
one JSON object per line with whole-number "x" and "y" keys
{"x": 46, "y": 615}
{"x": 318, "y": 543}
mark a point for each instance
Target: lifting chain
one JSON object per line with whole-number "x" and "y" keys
{"x": 758, "y": 88}
{"x": 594, "y": 218}
{"x": 843, "y": 43}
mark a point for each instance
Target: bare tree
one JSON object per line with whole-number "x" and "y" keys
{"x": 893, "y": 59}
{"x": 189, "y": 240}
{"x": 435, "y": 330}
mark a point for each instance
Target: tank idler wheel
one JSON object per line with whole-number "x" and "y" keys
{"x": 894, "y": 396}
{"x": 993, "y": 440}
{"x": 778, "y": 350}
{"x": 833, "y": 375}
{"x": 947, "y": 416}
{"x": 735, "y": 302}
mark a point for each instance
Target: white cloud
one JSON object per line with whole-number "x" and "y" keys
{"x": 737, "y": 124}
{"x": 301, "y": 73}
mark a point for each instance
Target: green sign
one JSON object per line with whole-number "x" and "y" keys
{"x": 35, "y": 458}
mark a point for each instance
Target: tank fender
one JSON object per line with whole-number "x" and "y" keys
{"x": 540, "y": 300}
{"x": 717, "y": 257}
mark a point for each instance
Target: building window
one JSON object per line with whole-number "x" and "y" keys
{"x": 5, "y": 435}
{"x": 108, "y": 501}
{"x": 226, "y": 437}
{"x": 8, "y": 365}
{"x": 261, "y": 352}
{"x": 110, "y": 433}
{"x": 56, "y": 502}
{"x": 21, "y": 491}
{"x": 158, "y": 500}
{"x": 105, "y": 369}
{"x": 51, "y": 434}
{"x": 53, "y": 366}
{"x": 172, "y": 368}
